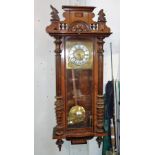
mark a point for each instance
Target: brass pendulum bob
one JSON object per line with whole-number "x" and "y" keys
{"x": 76, "y": 113}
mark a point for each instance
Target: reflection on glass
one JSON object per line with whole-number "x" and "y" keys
{"x": 79, "y": 97}
{"x": 79, "y": 58}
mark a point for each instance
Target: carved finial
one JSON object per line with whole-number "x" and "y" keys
{"x": 99, "y": 141}
{"x": 54, "y": 14}
{"x": 59, "y": 142}
{"x": 101, "y": 17}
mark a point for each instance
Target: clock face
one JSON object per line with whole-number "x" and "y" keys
{"x": 79, "y": 54}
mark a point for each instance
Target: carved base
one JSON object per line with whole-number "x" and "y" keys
{"x": 59, "y": 142}
{"x": 59, "y": 131}
{"x": 78, "y": 141}
{"x": 99, "y": 141}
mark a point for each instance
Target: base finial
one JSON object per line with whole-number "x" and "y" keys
{"x": 99, "y": 140}
{"x": 59, "y": 142}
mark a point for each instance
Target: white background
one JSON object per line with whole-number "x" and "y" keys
{"x": 137, "y": 78}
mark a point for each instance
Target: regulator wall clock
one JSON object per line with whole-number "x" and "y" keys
{"x": 79, "y": 74}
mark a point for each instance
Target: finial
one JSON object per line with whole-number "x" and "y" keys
{"x": 101, "y": 17}
{"x": 54, "y": 14}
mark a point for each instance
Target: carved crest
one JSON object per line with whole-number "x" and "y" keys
{"x": 54, "y": 14}
{"x": 79, "y": 27}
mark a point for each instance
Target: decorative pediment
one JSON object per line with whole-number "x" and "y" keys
{"x": 78, "y": 19}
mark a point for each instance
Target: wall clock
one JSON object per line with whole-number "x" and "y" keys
{"x": 79, "y": 74}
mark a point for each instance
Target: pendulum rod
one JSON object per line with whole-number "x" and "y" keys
{"x": 74, "y": 87}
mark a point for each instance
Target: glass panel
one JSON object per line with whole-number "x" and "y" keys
{"x": 79, "y": 58}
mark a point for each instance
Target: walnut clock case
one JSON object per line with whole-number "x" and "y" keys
{"x": 79, "y": 74}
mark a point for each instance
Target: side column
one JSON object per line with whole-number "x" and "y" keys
{"x": 59, "y": 99}
{"x": 100, "y": 99}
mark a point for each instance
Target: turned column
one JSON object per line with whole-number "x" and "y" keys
{"x": 100, "y": 100}
{"x": 59, "y": 99}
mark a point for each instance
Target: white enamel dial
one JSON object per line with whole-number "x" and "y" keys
{"x": 79, "y": 54}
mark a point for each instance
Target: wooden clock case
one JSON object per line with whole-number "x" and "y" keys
{"x": 78, "y": 23}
